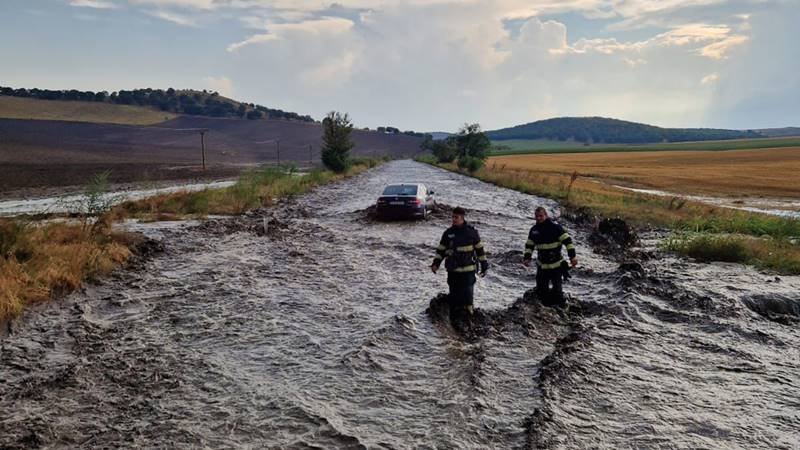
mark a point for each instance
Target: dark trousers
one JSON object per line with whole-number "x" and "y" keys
{"x": 550, "y": 296}
{"x": 462, "y": 287}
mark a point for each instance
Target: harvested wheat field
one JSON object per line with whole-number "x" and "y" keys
{"x": 737, "y": 173}
{"x": 74, "y": 111}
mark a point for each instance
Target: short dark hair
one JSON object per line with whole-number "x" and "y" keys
{"x": 541, "y": 209}
{"x": 459, "y": 211}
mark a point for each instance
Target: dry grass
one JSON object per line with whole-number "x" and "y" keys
{"x": 729, "y": 173}
{"x": 74, "y": 111}
{"x": 39, "y": 262}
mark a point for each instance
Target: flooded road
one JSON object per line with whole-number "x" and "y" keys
{"x": 315, "y": 335}
{"x": 77, "y": 202}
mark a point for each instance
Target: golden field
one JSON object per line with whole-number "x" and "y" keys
{"x": 739, "y": 173}
{"x": 74, "y": 111}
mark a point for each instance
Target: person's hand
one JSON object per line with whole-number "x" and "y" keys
{"x": 573, "y": 261}
{"x": 434, "y": 268}
{"x": 483, "y": 274}
{"x": 526, "y": 262}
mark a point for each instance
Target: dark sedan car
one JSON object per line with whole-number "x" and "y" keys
{"x": 412, "y": 200}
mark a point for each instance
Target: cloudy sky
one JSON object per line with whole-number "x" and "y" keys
{"x": 428, "y": 64}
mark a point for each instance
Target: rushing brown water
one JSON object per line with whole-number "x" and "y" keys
{"x": 315, "y": 336}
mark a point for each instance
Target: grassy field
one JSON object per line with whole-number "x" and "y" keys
{"x": 74, "y": 111}
{"x": 770, "y": 173}
{"x": 538, "y": 146}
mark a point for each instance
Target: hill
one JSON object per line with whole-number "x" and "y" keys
{"x": 612, "y": 131}
{"x": 780, "y": 132}
{"x": 79, "y": 111}
{"x": 196, "y": 103}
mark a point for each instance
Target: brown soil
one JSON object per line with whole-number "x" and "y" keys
{"x": 39, "y": 154}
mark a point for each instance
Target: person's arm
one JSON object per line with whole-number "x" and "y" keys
{"x": 440, "y": 253}
{"x": 480, "y": 251}
{"x": 530, "y": 246}
{"x": 566, "y": 241}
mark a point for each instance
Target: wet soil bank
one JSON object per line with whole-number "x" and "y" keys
{"x": 312, "y": 331}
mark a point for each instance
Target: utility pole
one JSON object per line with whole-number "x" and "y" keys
{"x": 277, "y": 143}
{"x": 202, "y": 132}
{"x": 310, "y": 156}
{"x": 203, "y": 146}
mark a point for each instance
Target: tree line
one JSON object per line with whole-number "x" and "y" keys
{"x": 196, "y": 103}
{"x": 394, "y": 130}
{"x": 591, "y": 130}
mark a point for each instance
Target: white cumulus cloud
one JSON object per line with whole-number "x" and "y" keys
{"x": 710, "y": 78}
{"x": 222, "y": 85}
{"x": 96, "y": 4}
{"x": 178, "y": 19}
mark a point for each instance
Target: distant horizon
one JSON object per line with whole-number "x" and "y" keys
{"x": 357, "y": 125}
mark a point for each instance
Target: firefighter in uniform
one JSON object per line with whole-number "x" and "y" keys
{"x": 547, "y": 237}
{"x": 462, "y": 251}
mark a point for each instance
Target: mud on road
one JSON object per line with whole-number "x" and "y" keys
{"x": 312, "y": 333}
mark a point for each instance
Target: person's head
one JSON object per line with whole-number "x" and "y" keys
{"x": 458, "y": 216}
{"x": 540, "y": 214}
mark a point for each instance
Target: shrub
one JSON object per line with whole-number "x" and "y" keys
{"x": 445, "y": 151}
{"x": 470, "y": 163}
{"x": 707, "y": 247}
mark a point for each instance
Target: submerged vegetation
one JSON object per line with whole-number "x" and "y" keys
{"x": 701, "y": 231}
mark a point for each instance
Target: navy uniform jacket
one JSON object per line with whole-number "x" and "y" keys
{"x": 461, "y": 248}
{"x": 547, "y": 238}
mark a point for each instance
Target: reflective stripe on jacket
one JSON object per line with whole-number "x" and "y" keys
{"x": 461, "y": 249}
{"x": 547, "y": 238}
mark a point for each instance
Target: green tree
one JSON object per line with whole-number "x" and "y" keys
{"x": 444, "y": 150}
{"x": 472, "y": 147}
{"x": 336, "y": 142}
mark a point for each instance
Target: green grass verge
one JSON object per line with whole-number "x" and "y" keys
{"x": 253, "y": 189}
{"x": 780, "y": 255}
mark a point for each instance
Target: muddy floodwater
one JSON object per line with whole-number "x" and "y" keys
{"x": 774, "y": 207}
{"x": 314, "y": 335}
{"x": 77, "y": 202}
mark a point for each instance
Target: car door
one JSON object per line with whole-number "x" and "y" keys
{"x": 426, "y": 196}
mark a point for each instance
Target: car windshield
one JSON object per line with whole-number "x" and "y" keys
{"x": 400, "y": 189}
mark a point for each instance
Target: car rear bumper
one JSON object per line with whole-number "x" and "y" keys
{"x": 401, "y": 211}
